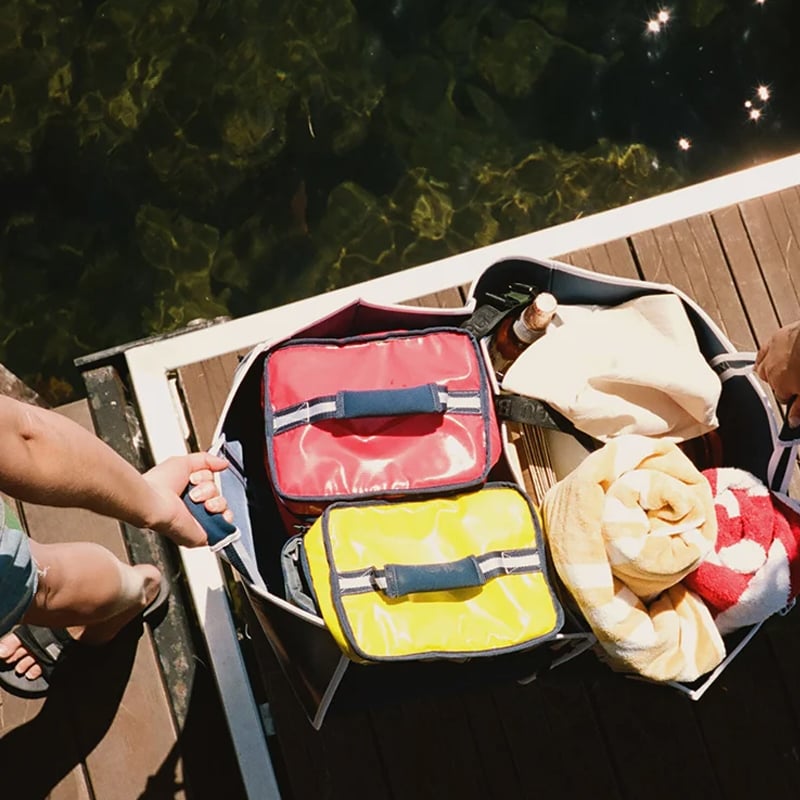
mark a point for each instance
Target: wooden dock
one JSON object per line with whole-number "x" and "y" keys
{"x": 129, "y": 720}
{"x": 579, "y": 731}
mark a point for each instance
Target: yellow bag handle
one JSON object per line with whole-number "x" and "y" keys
{"x": 403, "y": 579}
{"x": 399, "y": 580}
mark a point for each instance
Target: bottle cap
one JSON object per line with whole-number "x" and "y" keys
{"x": 545, "y": 303}
{"x": 539, "y": 313}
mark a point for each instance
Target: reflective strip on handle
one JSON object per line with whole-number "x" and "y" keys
{"x": 428, "y": 398}
{"x": 397, "y": 580}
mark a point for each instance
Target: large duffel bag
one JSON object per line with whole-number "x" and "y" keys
{"x": 454, "y": 449}
{"x": 749, "y": 430}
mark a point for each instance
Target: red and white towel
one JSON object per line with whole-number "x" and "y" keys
{"x": 754, "y": 569}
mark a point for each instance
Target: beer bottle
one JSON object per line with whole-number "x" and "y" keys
{"x": 513, "y": 335}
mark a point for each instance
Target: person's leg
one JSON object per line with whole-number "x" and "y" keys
{"x": 85, "y": 588}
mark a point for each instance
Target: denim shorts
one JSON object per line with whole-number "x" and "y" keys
{"x": 18, "y": 575}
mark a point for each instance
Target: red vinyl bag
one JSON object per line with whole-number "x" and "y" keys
{"x": 378, "y": 415}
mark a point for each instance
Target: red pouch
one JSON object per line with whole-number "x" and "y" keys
{"x": 380, "y": 415}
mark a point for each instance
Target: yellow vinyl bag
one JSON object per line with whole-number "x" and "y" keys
{"x": 447, "y": 577}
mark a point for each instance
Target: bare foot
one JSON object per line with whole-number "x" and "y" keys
{"x": 103, "y": 632}
{"x": 13, "y": 651}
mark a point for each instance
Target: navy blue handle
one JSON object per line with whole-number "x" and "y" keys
{"x": 389, "y": 402}
{"x": 403, "y": 579}
{"x": 216, "y": 526}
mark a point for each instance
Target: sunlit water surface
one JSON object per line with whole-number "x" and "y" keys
{"x": 166, "y": 161}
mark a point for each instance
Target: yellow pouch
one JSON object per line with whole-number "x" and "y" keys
{"x": 446, "y": 577}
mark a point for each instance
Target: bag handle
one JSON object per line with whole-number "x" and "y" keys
{"x": 784, "y": 441}
{"x": 424, "y": 399}
{"x": 495, "y": 307}
{"x": 429, "y": 398}
{"x": 225, "y": 540}
{"x": 530, "y": 411}
{"x": 731, "y": 365}
{"x": 217, "y": 528}
{"x": 399, "y": 580}
{"x": 403, "y": 579}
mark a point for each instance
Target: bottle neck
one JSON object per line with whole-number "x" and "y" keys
{"x": 533, "y": 321}
{"x": 524, "y": 332}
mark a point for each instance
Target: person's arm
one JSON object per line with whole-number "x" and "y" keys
{"x": 778, "y": 363}
{"x": 46, "y": 458}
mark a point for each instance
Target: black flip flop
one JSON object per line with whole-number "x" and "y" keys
{"x": 157, "y": 609}
{"x": 49, "y": 646}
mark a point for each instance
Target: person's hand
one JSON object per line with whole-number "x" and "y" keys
{"x": 778, "y": 363}
{"x": 169, "y": 479}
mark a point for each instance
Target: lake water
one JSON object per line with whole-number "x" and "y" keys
{"x": 167, "y": 161}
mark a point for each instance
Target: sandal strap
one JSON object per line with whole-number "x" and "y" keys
{"x": 46, "y": 645}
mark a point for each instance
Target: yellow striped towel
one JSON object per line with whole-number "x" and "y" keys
{"x": 624, "y": 528}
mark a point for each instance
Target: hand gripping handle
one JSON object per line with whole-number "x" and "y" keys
{"x": 217, "y": 528}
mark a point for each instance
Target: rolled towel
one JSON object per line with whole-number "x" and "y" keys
{"x": 753, "y": 570}
{"x": 624, "y": 528}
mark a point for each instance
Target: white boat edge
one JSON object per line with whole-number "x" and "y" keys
{"x": 151, "y": 365}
